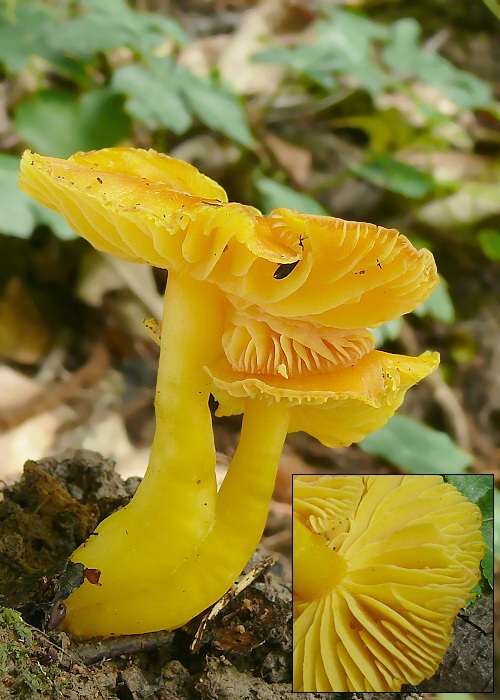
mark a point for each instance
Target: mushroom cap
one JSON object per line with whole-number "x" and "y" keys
{"x": 300, "y": 336}
{"x": 350, "y": 273}
{"x": 337, "y": 407}
{"x": 148, "y": 207}
{"x": 411, "y": 547}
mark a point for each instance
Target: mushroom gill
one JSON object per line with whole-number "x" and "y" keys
{"x": 347, "y": 272}
{"x": 148, "y": 207}
{"x": 258, "y": 343}
{"x": 337, "y": 407}
{"x": 404, "y": 552}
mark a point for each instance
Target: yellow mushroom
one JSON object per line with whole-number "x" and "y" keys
{"x": 382, "y": 565}
{"x": 147, "y": 207}
{"x": 269, "y": 313}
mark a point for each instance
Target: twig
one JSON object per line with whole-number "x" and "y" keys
{"x": 235, "y": 590}
{"x": 56, "y": 392}
{"x": 111, "y": 647}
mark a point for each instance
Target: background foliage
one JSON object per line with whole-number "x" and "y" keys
{"x": 366, "y": 110}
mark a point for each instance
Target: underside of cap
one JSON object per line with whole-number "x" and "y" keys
{"x": 412, "y": 547}
{"x": 350, "y": 274}
{"x": 338, "y": 407}
{"x": 152, "y": 167}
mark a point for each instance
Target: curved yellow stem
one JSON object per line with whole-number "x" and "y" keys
{"x": 174, "y": 507}
{"x": 170, "y": 599}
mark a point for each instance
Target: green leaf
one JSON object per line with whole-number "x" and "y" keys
{"x": 25, "y": 31}
{"x": 496, "y": 522}
{"x": 392, "y": 175}
{"x": 19, "y": 214}
{"x": 315, "y": 62}
{"x": 215, "y": 106}
{"x": 412, "y": 446}
{"x": 405, "y": 56}
{"x": 32, "y": 29}
{"x": 348, "y": 44}
{"x": 478, "y": 488}
{"x": 387, "y": 129}
{"x": 474, "y": 487}
{"x": 152, "y": 95}
{"x": 489, "y": 240}
{"x": 350, "y": 37}
{"x": 83, "y": 37}
{"x": 17, "y": 217}
{"x": 113, "y": 24}
{"x": 57, "y": 123}
{"x": 354, "y": 26}
{"x": 275, "y": 195}
{"x": 343, "y": 46}
{"x": 439, "y": 305}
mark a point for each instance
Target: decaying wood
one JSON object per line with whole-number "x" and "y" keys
{"x": 468, "y": 664}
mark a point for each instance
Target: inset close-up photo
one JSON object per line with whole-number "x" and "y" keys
{"x": 382, "y": 567}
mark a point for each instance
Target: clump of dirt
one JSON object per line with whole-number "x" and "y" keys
{"x": 244, "y": 651}
{"x": 54, "y": 507}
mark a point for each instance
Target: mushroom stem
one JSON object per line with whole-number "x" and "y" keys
{"x": 181, "y": 466}
{"x": 316, "y": 567}
{"x": 174, "y": 507}
{"x": 250, "y": 480}
{"x": 241, "y": 514}
{"x": 163, "y": 600}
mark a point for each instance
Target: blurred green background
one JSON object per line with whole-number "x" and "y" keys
{"x": 376, "y": 111}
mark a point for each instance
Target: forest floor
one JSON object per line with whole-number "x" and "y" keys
{"x": 245, "y": 651}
